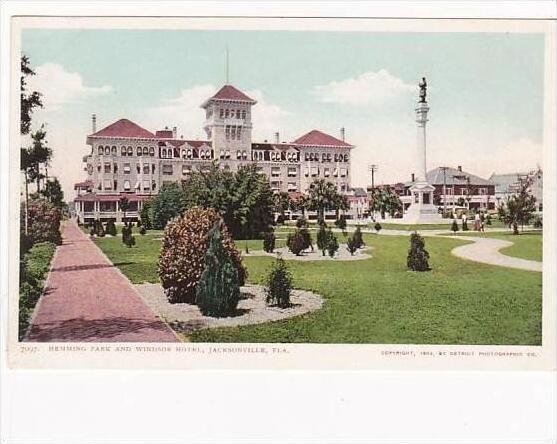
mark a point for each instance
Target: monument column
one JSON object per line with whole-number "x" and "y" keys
{"x": 422, "y": 209}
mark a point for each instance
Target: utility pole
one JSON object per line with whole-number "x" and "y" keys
{"x": 373, "y": 168}
{"x": 444, "y": 169}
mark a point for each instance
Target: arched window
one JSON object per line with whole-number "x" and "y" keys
{"x": 123, "y": 151}
{"x": 145, "y": 151}
{"x": 227, "y": 154}
{"x": 151, "y": 151}
{"x": 189, "y": 154}
{"x": 244, "y": 155}
{"x": 346, "y": 157}
{"x": 243, "y": 114}
{"x": 237, "y": 113}
{"x": 208, "y": 154}
{"x": 238, "y": 154}
{"x": 101, "y": 150}
{"x": 163, "y": 155}
{"x": 260, "y": 155}
{"x": 139, "y": 151}
{"x": 130, "y": 151}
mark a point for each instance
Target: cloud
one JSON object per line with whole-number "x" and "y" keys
{"x": 184, "y": 111}
{"x": 60, "y": 87}
{"x": 367, "y": 88}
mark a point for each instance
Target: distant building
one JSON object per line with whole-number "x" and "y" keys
{"x": 131, "y": 161}
{"x": 508, "y": 184}
{"x": 453, "y": 188}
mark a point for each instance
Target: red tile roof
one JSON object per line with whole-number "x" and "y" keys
{"x": 167, "y": 134}
{"x": 124, "y": 128}
{"x": 316, "y": 137}
{"x": 228, "y": 92}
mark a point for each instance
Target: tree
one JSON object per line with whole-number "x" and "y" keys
{"x": 35, "y": 156}
{"x": 519, "y": 208}
{"x": 244, "y": 199}
{"x": 385, "y": 201}
{"x": 282, "y": 203}
{"x": 54, "y": 194}
{"x": 322, "y": 239}
{"x": 167, "y": 204}
{"x": 218, "y": 290}
{"x": 341, "y": 222}
{"x": 417, "y": 259}
{"x": 323, "y": 195}
{"x": 269, "y": 242}
{"x": 124, "y": 205}
{"x": 29, "y": 100}
{"x": 279, "y": 285}
{"x": 146, "y": 214}
{"x": 332, "y": 246}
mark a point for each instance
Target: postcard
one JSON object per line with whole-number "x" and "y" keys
{"x": 264, "y": 193}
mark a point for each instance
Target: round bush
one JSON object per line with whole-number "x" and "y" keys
{"x": 181, "y": 260}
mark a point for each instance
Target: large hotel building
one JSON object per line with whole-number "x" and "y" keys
{"x": 128, "y": 160}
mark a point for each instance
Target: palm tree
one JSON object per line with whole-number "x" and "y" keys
{"x": 323, "y": 195}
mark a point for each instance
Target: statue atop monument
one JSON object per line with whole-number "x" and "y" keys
{"x": 423, "y": 90}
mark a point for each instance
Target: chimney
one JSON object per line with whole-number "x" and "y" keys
{"x": 413, "y": 177}
{"x": 277, "y": 137}
{"x": 342, "y": 134}
{"x": 94, "y": 123}
{"x": 459, "y": 168}
{"x": 174, "y": 132}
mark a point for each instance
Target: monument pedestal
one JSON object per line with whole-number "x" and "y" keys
{"x": 422, "y": 210}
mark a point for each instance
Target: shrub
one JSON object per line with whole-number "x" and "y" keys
{"x": 279, "y": 285}
{"x": 377, "y": 227}
{"x": 269, "y": 242}
{"x": 43, "y": 223}
{"x": 142, "y": 230}
{"x": 488, "y": 219}
{"x": 301, "y": 222}
{"x": 295, "y": 242}
{"x": 98, "y": 229}
{"x": 166, "y": 205}
{"x": 111, "y": 228}
{"x": 183, "y": 247}
{"x": 358, "y": 238}
{"x": 280, "y": 219}
{"x": 323, "y": 239}
{"x": 332, "y": 245}
{"x": 341, "y": 222}
{"x": 454, "y": 226}
{"x": 127, "y": 236}
{"x": 537, "y": 221}
{"x": 218, "y": 289}
{"x": 351, "y": 245}
{"x": 306, "y": 236}
{"x": 146, "y": 214}
{"x": 417, "y": 259}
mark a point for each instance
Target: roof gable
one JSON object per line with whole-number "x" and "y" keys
{"x": 317, "y": 138}
{"x": 229, "y": 92}
{"x": 124, "y": 128}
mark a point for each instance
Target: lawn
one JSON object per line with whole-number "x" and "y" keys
{"x": 527, "y": 245}
{"x": 379, "y": 301}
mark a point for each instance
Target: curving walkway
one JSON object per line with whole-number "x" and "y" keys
{"x": 87, "y": 299}
{"x": 486, "y": 250}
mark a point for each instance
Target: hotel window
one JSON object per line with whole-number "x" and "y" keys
{"x": 101, "y": 150}
{"x": 113, "y": 150}
{"x": 292, "y": 172}
{"x": 343, "y": 172}
{"x": 233, "y": 133}
{"x": 107, "y": 167}
{"x": 314, "y": 171}
{"x": 227, "y": 154}
{"x": 326, "y": 172}
{"x": 335, "y": 172}
{"x": 336, "y": 157}
{"x": 138, "y": 168}
{"x": 244, "y": 155}
{"x": 346, "y": 157}
{"x": 151, "y": 151}
{"x": 153, "y": 185}
{"x": 238, "y": 154}
{"x": 130, "y": 151}
{"x": 328, "y": 157}
{"x": 275, "y": 171}
{"x": 306, "y": 172}
{"x": 448, "y": 191}
{"x": 292, "y": 186}
{"x": 482, "y": 191}
{"x": 311, "y": 157}
{"x": 145, "y": 151}
{"x": 126, "y": 168}
{"x": 221, "y": 154}
{"x": 227, "y": 132}
{"x": 115, "y": 184}
{"x": 139, "y": 151}
{"x": 145, "y": 168}
{"x": 463, "y": 192}
{"x": 163, "y": 153}
{"x": 186, "y": 169}
{"x": 167, "y": 169}
{"x": 323, "y": 157}
{"x": 307, "y": 157}
{"x": 239, "y": 133}
{"x": 238, "y": 114}
{"x": 126, "y": 185}
{"x": 184, "y": 153}
{"x": 275, "y": 184}
{"x": 123, "y": 151}
{"x": 227, "y": 114}
{"x": 115, "y": 168}
{"x": 190, "y": 154}
{"x": 152, "y": 168}
{"x": 243, "y": 114}
{"x": 146, "y": 185}
{"x": 107, "y": 184}
{"x": 221, "y": 113}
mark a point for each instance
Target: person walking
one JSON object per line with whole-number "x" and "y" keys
{"x": 482, "y": 221}
{"x": 464, "y": 222}
{"x": 477, "y": 221}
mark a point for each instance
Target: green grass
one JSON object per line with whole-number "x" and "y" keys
{"x": 379, "y": 301}
{"x": 527, "y": 245}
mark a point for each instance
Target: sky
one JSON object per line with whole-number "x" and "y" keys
{"x": 485, "y": 91}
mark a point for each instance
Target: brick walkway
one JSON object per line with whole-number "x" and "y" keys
{"x": 87, "y": 299}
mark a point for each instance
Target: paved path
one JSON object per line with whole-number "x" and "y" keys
{"x": 87, "y": 299}
{"x": 486, "y": 250}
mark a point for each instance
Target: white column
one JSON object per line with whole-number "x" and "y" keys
{"x": 421, "y": 119}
